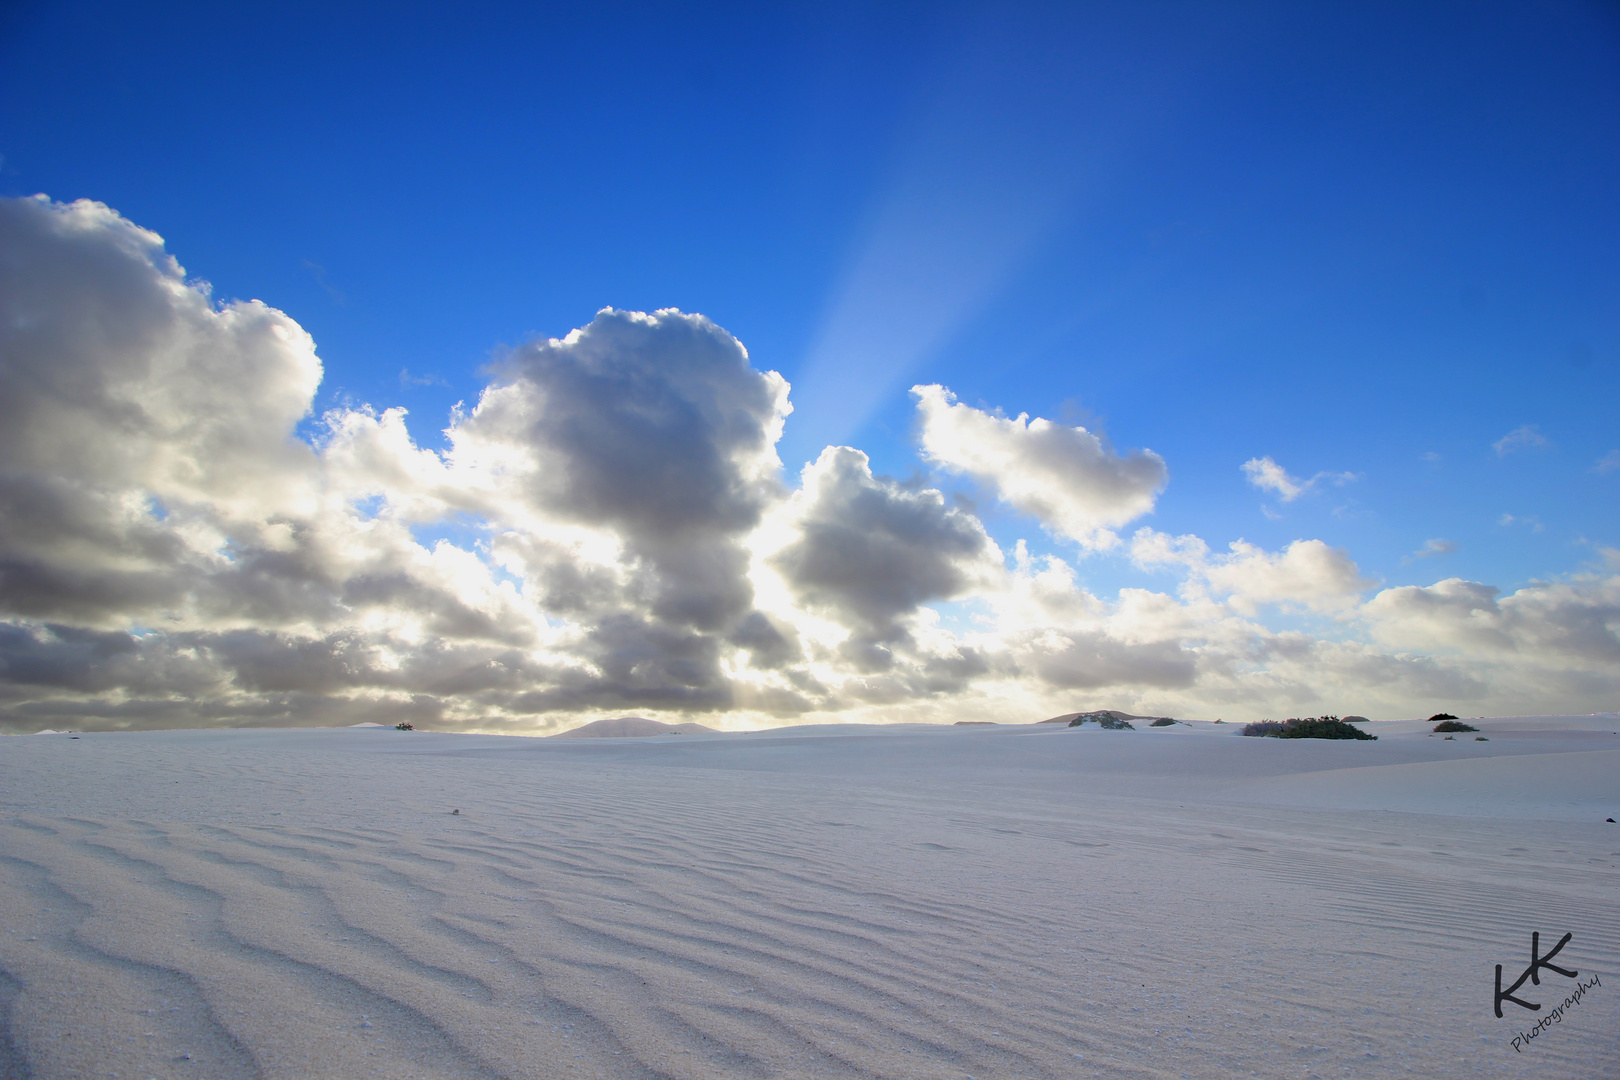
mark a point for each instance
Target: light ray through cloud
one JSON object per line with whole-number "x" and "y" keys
{"x": 1007, "y": 147}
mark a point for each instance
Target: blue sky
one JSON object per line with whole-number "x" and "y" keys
{"x": 1351, "y": 238}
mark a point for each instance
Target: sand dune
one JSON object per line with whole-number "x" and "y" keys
{"x": 620, "y": 727}
{"x": 1098, "y": 714}
{"x": 1017, "y": 901}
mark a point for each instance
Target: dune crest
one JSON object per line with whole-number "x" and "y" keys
{"x": 630, "y": 727}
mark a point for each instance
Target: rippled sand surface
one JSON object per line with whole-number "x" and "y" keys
{"x": 908, "y": 902}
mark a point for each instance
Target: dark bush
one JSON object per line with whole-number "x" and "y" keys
{"x": 1323, "y": 727}
{"x": 1311, "y": 727}
{"x": 404, "y": 727}
{"x": 1454, "y": 725}
{"x": 1163, "y": 721}
{"x": 1439, "y": 716}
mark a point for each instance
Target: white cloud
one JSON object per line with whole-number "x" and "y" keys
{"x": 1267, "y": 475}
{"x": 652, "y": 428}
{"x": 1530, "y": 521}
{"x": 1151, "y": 549}
{"x": 1307, "y": 575}
{"x": 142, "y": 428}
{"x": 153, "y": 478}
{"x": 1067, "y": 477}
{"x": 1608, "y": 463}
{"x": 1431, "y": 548}
{"x": 867, "y": 553}
{"x": 1569, "y": 626}
{"x": 172, "y": 552}
{"x": 1520, "y": 438}
{"x": 870, "y": 550}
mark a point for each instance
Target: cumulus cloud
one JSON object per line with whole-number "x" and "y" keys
{"x": 1067, "y": 477}
{"x": 868, "y": 552}
{"x": 1520, "y": 438}
{"x": 152, "y": 478}
{"x": 173, "y": 552}
{"x": 1267, "y": 475}
{"x": 1551, "y": 625}
{"x": 1151, "y": 549}
{"x": 1307, "y": 575}
{"x": 141, "y": 426}
{"x": 650, "y": 429}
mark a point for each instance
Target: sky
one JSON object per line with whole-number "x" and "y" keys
{"x": 502, "y": 368}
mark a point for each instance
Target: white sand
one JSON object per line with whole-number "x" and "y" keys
{"x": 631, "y": 727}
{"x": 1015, "y": 901}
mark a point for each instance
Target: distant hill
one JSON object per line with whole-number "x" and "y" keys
{"x": 629, "y": 727}
{"x": 1098, "y": 714}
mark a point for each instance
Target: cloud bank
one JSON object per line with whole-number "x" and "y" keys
{"x": 1067, "y": 477}
{"x": 174, "y": 552}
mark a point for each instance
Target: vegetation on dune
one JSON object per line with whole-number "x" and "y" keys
{"x": 1105, "y": 720}
{"x": 404, "y": 727}
{"x": 1163, "y": 721}
{"x": 1454, "y": 725}
{"x": 1310, "y": 727}
{"x": 1439, "y": 716}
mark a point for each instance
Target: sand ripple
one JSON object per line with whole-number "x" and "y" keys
{"x": 322, "y": 914}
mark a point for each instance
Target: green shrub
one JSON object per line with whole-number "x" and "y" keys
{"x": 404, "y": 727}
{"x": 1453, "y": 725}
{"x": 1311, "y": 727}
{"x": 1105, "y": 720}
{"x": 1439, "y": 716}
{"x": 1163, "y": 721}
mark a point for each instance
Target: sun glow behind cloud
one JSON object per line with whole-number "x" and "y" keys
{"x": 173, "y": 553}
